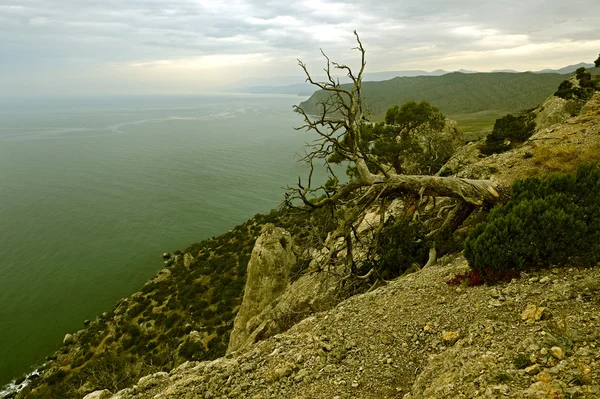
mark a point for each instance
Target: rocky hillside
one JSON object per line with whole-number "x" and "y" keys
{"x": 299, "y": 332}
{"x": 418, "y": 337}
{"x": 185, "y": 312}
{"x": 537, "y": 336}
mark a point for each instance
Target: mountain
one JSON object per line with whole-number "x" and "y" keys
{"x": 298, "y": 86}
{"x": 457, "y": 93}
{"x": 567, "y": 69}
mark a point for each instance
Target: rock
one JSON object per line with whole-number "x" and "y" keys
{"x": 300, "y": 375}
{"x": 551, "y": 112}
{"x": 187, "y": 260}
{"x": 450, "y": 337}
{"x": 533, "y": 369}
{"x": 282, "y": 372}
{"x": 545, "y": 390}
{"x": 68, "y": 339}
{"x": 269, "y": 271}
{"x": 533, "y": 313}
{"x": 166, "y": 255}
{"x": 152, "y": 380}
{"x": 557, "y": 352}
{"x": 544, "y": 376}
{"x": 103, "y": 394}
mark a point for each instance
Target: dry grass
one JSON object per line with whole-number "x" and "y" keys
{"x": 564, "y": 158}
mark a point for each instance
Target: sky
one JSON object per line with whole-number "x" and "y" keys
{"x": 87, "y": 47}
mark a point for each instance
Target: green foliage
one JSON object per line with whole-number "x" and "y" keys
{"x": 401, "y": 138}
{"x": 566, "y": 91}
{"x": 508, "y": 132}
{"x": 414, "y": 139}
{"x": 554, "y": 221}
{"x": 573, "y": 107}
{"x": 399, "y": 244}
{"x": 192, "y": 350}
{"x": 597, "y": 62}
{"x": 585, "y": 90}
{"x": 456, "y": 93}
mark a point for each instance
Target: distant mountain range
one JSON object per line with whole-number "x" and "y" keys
{"x": 567, "y": 69}
{"x": 296, "y": 85}
{"x": 458, "y": 93}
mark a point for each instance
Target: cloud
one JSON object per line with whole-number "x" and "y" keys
{"x": 245, "y": 38}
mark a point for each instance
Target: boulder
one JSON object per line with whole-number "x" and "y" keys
{"x": 68, "y": 339}
{"x": 187, "y": 260}
{"x": 103, "y": 394}
{"x": 268, "y": 276}
{"x": 551, "y": 112}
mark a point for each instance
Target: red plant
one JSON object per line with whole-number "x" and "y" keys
{"x": 475, "y": 277}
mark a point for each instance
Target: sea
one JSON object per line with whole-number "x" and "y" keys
{"x": 94, "y": 189}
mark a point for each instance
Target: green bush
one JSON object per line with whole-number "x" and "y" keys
{"x": 587, "y": 86}
{"x": 399, "y": 244}
{"x": 508, "y": 131}
{"x": 554, "y": 221}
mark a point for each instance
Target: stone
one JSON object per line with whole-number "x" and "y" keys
{"x": 68, "y": 339}
{"x": 166, "y": 255}
{"x": 152, "y": 379}
{"x": 544, "y": 376}
{"x": 103, "y": 394}
{"x": 300, "y": 375}
{"x": 187, "y": 260}
{"x": 268, "y": 276}
{"x": 450, "y": 337}
{"x": 533, "y": 313}
{"x": 557, "y": 352}
{"x": 533, "y": 369}
{"x": 281, "y": 372}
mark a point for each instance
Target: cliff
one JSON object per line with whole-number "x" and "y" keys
{"x": 417, "y": 337}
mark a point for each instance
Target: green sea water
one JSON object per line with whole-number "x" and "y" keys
{"x": 93, "y": 190}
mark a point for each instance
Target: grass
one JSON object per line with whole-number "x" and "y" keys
{"x": 477, "y": 125}
{"x": 549, "y": 159}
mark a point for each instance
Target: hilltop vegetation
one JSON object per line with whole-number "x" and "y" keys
{"x": 185, "y": 313}
{"x": 459, "y": 95}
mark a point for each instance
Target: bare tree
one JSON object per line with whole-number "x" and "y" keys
{"x": 339, "y": 125}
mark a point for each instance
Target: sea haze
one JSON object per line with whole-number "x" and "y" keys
{"x": 93, "y": 190}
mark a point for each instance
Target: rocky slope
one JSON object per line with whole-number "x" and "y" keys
{"x": 417, "y": 337}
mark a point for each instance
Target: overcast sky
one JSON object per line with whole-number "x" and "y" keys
{"x": 163, "y": 46}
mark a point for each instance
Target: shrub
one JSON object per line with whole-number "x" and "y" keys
{"x": 508, "y": 131}
{"x": 586, "y": 88}
{"x": 546, "y": 222}
{"x": 400, "y": 244}
{"x": 192, "y": 350}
